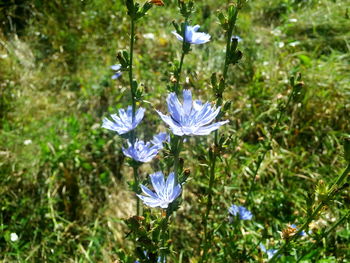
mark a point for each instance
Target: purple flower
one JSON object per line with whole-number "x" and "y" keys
{"x": 241, "y": 211}
{"x": 141, "y": 151}
{"x": 192, "y": 36}
{"x": 117, "y": 73}
{"x": 165, "y": 191}
{"x": 270, "y": 252}
{"x": 191, "y": 117}
{"x": 124, "y": 123}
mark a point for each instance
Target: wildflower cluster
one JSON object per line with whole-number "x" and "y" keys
{"x": 187, "y": 118}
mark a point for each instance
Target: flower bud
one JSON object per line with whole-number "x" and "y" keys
{"x": 322, "y": 190}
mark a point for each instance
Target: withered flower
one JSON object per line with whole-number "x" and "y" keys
{"x": 157, "y": 2}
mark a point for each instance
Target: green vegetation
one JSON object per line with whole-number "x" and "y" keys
{"x": 64, "y": 180}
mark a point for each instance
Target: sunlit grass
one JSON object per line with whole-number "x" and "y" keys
{"x": 63, "y": 188}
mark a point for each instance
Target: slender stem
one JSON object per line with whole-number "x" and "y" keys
{"x": 178, "y": 143}
{"x": 260, "y": 160}
{"x": 214, "y": 153}
{"x": 184, "y": 52}
{"x": 132, "y": 41}
{"x": 133, "y": 100}
{"x": 164, "y": 237}
{"x": 208, "y": 207}
{"x": 136, "y": 178}
{"x": 178, "y": 73}
{"x": 228, "y": 47}
{"x": 325, "y": 234}
{"x": 262, "y": 157}
{"x": 331, "y": 194}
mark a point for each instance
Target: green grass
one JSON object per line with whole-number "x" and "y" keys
{"x": 65, "y": 193}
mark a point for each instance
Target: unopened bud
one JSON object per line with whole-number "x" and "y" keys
{"x": 322, "y": 190}
{"x": 187, "y": 171}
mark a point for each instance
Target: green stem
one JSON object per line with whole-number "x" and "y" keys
{"x": 260, "y": 160}
{"x": 136, "y": 179}
{"x": 164, "y": 237}
{"x": 214, "y": 155}
{"x": 184, "y": 52}
{"x": 330, "y": 195}
{"x": 228, "y": 48}
{"x": 324, "y": 235}
{"x": 178, "y": 73}
{"x": 132, "y": 41}
{"x": 267, "y": 148}
{"x": 179, "y": 144}
{"x": 208, "y": 207}
{"x": 133, "y": 100}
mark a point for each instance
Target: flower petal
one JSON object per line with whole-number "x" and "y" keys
{"x": 139, "y": 116}
{"x": 116, "y": 67}
{"x": 148, "y": 192}
{"x": 158, "y": 183}
{"x": 187, "y": 105}
{"x": 173, "y": 125}
{"x": 208, "y": 129}
{"x": 178, "y": 36}
{"x": 116, "y": 75}
{"x": 174, "y": 107}
{"x": 169, "y": 185}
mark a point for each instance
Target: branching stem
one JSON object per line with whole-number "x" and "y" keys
{"x": 331, "y": 194}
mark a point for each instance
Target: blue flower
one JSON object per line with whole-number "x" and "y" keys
{"x": 191, "y": 117}
{"x": 270, "y": 252}
{"x": 244, "y": 213}
{"x": 302, "y": 233}
{"x": 160, "y": 138}
{"x": 117, "y": 73}
{"x": 141, "y": 151}
{"x": 165, "y": 191}
{"x": 123, "y": 123}
{"x": 192, "y": 36}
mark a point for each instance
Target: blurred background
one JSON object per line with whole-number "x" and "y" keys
{"x": 63, "y": 179}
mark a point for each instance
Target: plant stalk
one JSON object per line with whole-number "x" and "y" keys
{"x": 216, "y": 146}
{"x": 179, "y": 144}
{"x": 262, "y": 157}
{"x": 330, "y": 195}
{"x": 325, "y": 234}
{"x": 133, "y": 99}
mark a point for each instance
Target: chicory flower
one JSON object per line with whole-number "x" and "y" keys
{"x": 241, "y": 211}
{"x": 191, "y": 117}
{"x": 124, "y": 122}
{"x": 117, "y": 70}
{"x": 165, "y": 191}
{"x": 160, "y": 138}
{"x": 302, "y": 233}
{"x": 192, "y": 36}
{"x": 141, "y": 151}
{"x": 270, "y": 252}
